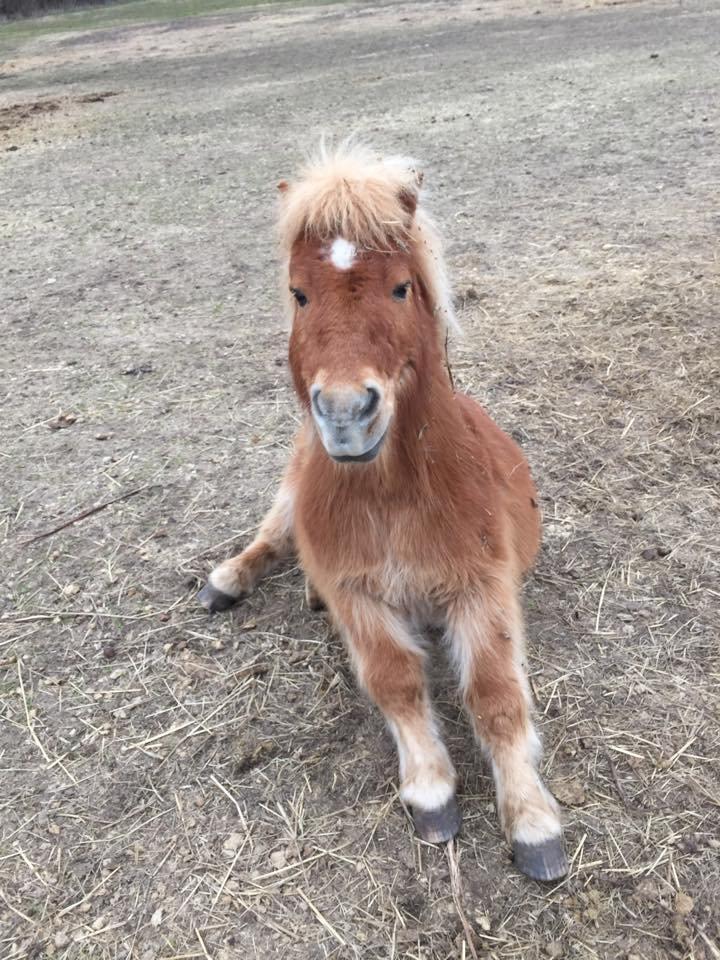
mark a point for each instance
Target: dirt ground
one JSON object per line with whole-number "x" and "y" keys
{"x": 174, "y": 785}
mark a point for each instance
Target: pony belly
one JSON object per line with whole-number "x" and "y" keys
{"x": 406, "y": 588}
{"x": 413, "y": 590}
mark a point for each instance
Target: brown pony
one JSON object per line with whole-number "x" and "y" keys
{"x": 407, "y": 506}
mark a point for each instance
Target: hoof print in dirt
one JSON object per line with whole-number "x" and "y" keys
{"x": 541, "y": 861}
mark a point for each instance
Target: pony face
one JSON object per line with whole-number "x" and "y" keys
{"x": 357, "y": 316}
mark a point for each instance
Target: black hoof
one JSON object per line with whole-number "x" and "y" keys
{"x": 438, "y": 826}
{"x": 541, "y": 861}
{"x": 313, "y": 599}
{"x": 214, "y": 600}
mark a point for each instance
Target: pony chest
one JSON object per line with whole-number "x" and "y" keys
{"x": 382, "y": 552}
{"x": 348, "y": 535}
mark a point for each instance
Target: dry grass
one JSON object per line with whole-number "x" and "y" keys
{"x": 173, "y": 786}
{"x": 178, "y": 786}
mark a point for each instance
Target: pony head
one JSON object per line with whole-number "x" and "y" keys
{"x": 367, "y": 294}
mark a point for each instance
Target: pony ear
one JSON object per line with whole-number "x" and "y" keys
{"x": 282, "y": 186}
{"x": 409, "y": 195}
{"x": 408, "y": 200}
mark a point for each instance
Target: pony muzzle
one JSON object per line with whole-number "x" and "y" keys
{"x": 352, "y": 421}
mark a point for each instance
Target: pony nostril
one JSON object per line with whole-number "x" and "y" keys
{"x": 316, "y": 401}
{"x": 371, "y": 403}
{"x": 344, "y": 405}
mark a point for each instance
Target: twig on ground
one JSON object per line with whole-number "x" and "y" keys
{"x": 216, "y": 546}
{"x": 82, "y": 516}
{"x": 456, "y": 886}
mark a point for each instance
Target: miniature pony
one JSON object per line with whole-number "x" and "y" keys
{"x": 407, "y": 506}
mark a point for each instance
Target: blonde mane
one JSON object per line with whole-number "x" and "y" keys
{"x": 351, "y": 192}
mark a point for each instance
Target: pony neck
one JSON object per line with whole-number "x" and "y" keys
{"x": 426, "y": 419}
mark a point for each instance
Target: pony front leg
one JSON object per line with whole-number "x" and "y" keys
{"x": 487, "y": 637}
{"x": 391, "y": 667}
{"x": 236, "y": 577}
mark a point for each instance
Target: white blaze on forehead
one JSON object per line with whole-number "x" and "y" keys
{"x": 342, "y": 253}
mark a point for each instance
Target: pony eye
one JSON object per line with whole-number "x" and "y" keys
{"x": 299, "y": 296}
{"x": 401, "y": 291}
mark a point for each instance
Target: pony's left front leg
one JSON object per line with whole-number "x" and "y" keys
{"x": 487, "y": 637}
{"x": 391, "y": 666}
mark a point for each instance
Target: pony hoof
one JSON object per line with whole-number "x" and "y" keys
{"x": 313, "y": 599}
{"x": 438, "y": 826}
{"x": 214, "y": 600}
{"x": 541, "y": 861}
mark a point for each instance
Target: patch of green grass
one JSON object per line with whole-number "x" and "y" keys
{"x": 117, "y": 14}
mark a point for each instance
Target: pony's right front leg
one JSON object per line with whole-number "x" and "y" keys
{"x": 390, "y": 665}
{"x": 236, "y": 577}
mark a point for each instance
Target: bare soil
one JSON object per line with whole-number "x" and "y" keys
{"x": 178, "y": 786}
